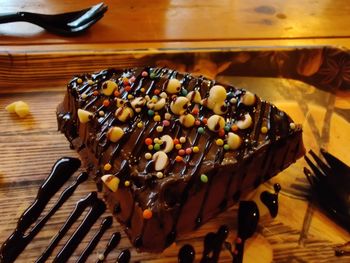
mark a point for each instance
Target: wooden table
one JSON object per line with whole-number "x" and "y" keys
{"x": 35, "y": 65}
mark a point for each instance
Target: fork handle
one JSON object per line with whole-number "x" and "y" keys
{"x": 11, "y": 17}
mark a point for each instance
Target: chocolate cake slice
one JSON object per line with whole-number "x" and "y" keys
{"x": 170, "y": 150}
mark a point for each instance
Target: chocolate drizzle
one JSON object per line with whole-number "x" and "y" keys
{"x": 112, "y": 244}
{"x": 271, "y": 200}
{"x": 124, "y": 256}
{"x": 212, "y": 245}
{"x": 186, "y": 254}
{"x": 63, "y": 169}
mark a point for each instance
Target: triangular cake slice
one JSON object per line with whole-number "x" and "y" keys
{"x": 170, "y": 150}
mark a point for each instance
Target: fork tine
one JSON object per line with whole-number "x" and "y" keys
{"x": 326, "y": 170}
{"x": 309, "y": 176}
{"x": 314, "y": 168}
{"x": 89, "y": 15}
{"x": 335, "y": 163}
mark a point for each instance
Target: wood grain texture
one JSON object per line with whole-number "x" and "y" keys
{"x": 180, "y": 20}
{"x": 30, "y": 146}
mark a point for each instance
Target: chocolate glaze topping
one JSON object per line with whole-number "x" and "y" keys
{"x": 170, "y": 149}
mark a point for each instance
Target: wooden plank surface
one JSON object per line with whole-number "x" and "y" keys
{"x": 180, "y": 20}
{"x": 30, "y": 146}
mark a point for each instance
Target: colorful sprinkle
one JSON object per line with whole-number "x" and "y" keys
{"x": 140, "y": 124}
{"x": 184, "y": 92}
{"x": 132, "y": 79}
{"x": 233, "y": 101}
{"x": 159, "y": 129}
{"x": 90, "y": 82}
{"x": 156, "y": 147}
{"x": 219, "y": 142}
{"x": 127, "y": 88}
{"x": 264, "y": 130}
{"x": 234, "y": 127}
{"x": 176, "y": 141}
{"x": 227, "y": 128}
{"x": 144, "y": 74}
{"x": 200, "y": 130}
{"x": 147, "y": 214}
{"x": 84, "y": 96}
{"x": 195, "y": 111}
{"x": 116, "y": 93}
{"x": 292, "y": 125}
{"x": 127, "y": 183}
{"x": 125, "y": 81}
{"x": 150, "y": 113}
{"x": 153, "y": 75}
{"x": 182, "y": 139}
{"x": 226, "y": 147}
{"x": 204, "y": 178}
{"x": 178, "y": 159}
{"x": 157, "y": 118}
{"x": 148, "y": 156}
{"x": 79, "y": 81}
{"x": 107, "y": 167}
{"x": 101, "y": 113}
{"x": 221, "y": 132}
{"x": 195, "y": 149}
{"x": 167, "y": 116}
{"x": 197, "y": 122}
{"x": 166, "y": 123}
{"x": 148, "y": 141}
{"x": 188, "y": 150}
{"x": 181, "y": 152}
{"x": 150, "y": 147}
{"x": 156, "y": 91}
{"x": 178, "y": 146}
{"x": 106, "y": 103}
{"x": 143, "y": 90}
{"x": 95, "y": 93}
{"x": 130, "y": 97}
{"x": 205, "y": 120}
{"x": 157, "y": 140}
{"x": 159, "y": 175}
{"x": 238, "y": 240}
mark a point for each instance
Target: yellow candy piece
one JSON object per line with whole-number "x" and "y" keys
{"x": 115, "y": 133}
{"x": 84, "y": 115}
{"x": 21, "y": 108}
{"x": 111, "y": 181}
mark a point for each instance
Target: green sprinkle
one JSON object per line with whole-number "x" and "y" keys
{"x": 184, "y": 92}
{"x": 226, "y": 147}
{"x": 153, "y": 75}
{"x": 227, "y": 128}
{"x": 200, "y": 130}
{"x": 204, "y": 178}
{"x": 156, "y": 147}
{"x": 150, "y": 112}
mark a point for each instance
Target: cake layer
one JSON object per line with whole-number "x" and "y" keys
{"x": 170, "y": 150}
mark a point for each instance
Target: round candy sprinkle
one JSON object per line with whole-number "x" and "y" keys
{"x": 156, "y": 118}
{"x": 233, "y": 101}
{"x": 197, "y": 122}
{"x": 116, "y": 93}
{"x": 90, "y": 82}
{"x": 127, "y": 88}
{"x": 127, "y": 183}
{"x": 167, "y": 116}
{"x": 95, "y": 93}
{"x": 238, "y": 240}
{"x": 140, "y": 124}
{"x": 184, "y": 92}
{"x": 181, "y": 152}
{"x": 195, "y": 111}
{"x": 200, "y": 130}
{"x": 101, "y": 113}
{"x": 132, "y": 79}
{"x": 227, "y": 128}
{"x": 182, "y": 139}
{"x": 142, "y": 90}
{"x": 176, "y": 141}
{"x": 148, "y": 156}
{"x": 101, "y": 257}
{"x": 144, "y": 74}
{"x": 150, "y": 147}
{"x": 79, "y": 81}
{"x": 188, "y": 150}
{"x": 204, "y": 178}
{"x": 195, "y": 149}
{"x": 219, "y": 142}
{"x": 234, "y": 127}
{"x": 156, "y": 147}
{"x": 148, "y": 141}
{"x": 130, "y": 97}
{"x": 106, "y": 103}
{"x": 159, "y": 128}
{"x": 166, "y": 123}
{"x": 221, "y": 132}
{"x": 157, "y": 140}
{"x": 178, "y": 159}
{"x": 226, "y": 147}
{"x": 107, "y": 167}
{"x": 125, "y": 81}
{"x": 159, "y": 175}
{"x": 263, "y": 129}
{"x": 205, "y": 120}
{"x": 150, "y": 112}
{"x": 153, "y": 75}
{"x": 147, "y": 214}
{"x": 292, "y": 125}
{"x": 84, "y": 96}
{"x": 156, "y": 91}
{"x": 154, "y": 99}
{"x": 178, "y": 146}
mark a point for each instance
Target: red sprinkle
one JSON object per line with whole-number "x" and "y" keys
{"x": 197, "y": 122}
{"x": 127, "y": 88}
{"x": 126, "y": 81}
{"x": 116, "y": 93}
{"x": 147, "y": 214}
{"x": 106, "y": 103}
{"x": 95, "y": 93}
{"x": 132, "y": 79}
{"x": 188, "y": 150}
{"x": 144, "y": 74}
{"x": 238, "y": 240}
{"x": 181, "y": 152}
{"x": 166, "y": 122}
{"x": 176, "y": 141}
{"x": 205, "y": 120}
{"x": 222, "y": 133}
{"x": 195, "y": 111}
{"x": 156, "y": 91}
{"x": 148, "y": 141}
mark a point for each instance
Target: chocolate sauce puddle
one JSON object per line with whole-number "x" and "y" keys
{"x": 63, "y": 169}
{"x": 105, "y": 224}
{"x": 271, "y": 200}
